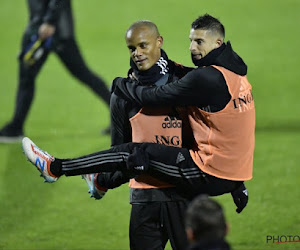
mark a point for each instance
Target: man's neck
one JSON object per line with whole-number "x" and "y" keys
{"x": 152, "y": 75}
{"x": 210, "y": 57}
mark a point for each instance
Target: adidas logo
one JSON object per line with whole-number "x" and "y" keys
{"x": 140, "y": 168}
{"x": 171, "y": 122}
{"x": 180, "y": 158}
{"x": 163, "y": 64}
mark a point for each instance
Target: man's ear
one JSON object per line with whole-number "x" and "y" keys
{"x": 160, "y": 41}
{"x": 219, "y": 42}
{"x": 190, "y": 234}
{"x": 227, "y": 229}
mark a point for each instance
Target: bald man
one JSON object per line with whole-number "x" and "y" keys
{"x": 157, "y": 213}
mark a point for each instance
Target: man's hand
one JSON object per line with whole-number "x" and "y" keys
{"x": 46, "y": 30}
{"x": 138, "y": 161}
{"x": 240, "y": 197}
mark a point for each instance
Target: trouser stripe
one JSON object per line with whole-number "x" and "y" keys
{"x": 94, "y": 160}
{"x": 190, "y": 169}
{"x": 100, "y": 155}
{"x": 64, "y": 168}
{"x": 165, "y": 170}
{"x": 176, "y": 171}
{"x": 169, "y": 167}
{"x": 98, "y": 160}
{"x": 192, "y": 176}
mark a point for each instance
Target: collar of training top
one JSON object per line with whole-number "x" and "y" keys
{"x": 150, "y": 76}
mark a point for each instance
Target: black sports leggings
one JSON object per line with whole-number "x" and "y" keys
{"x": 171, "y": 164}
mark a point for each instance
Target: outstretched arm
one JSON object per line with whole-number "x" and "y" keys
{"x": 199, "y": 87}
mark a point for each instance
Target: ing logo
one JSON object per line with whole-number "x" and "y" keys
{"x": 244, "y": 102}
{"x": 168, "y": 140}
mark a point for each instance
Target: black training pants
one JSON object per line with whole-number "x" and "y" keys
{"x": 152, "y": 224}
{"x": 68, "y": 52}
{"x": 171, "y": 164}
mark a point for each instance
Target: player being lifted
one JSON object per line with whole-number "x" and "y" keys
{"x": 220, "y": 107}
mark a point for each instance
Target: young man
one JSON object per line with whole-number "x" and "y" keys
{"x": 50, "y": 29}
{"x": 221, "y": 112}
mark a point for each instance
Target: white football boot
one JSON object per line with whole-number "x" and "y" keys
{"x": 39, "y": 158}
{"x": 95, "y": 190}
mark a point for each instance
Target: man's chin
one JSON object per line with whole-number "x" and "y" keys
{"x": 143, "y": 67}
{"x": 197, "y": 57}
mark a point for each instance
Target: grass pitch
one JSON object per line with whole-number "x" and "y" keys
{"x": 66, "y": 118}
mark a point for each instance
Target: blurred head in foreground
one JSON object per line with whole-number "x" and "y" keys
{"x": 205, "y": 223}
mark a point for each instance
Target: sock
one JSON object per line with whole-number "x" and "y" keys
{"x": 97, "y": 182}
{"x": 56, "y": 168}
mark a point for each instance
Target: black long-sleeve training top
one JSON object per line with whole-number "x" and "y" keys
{"x": 54, "y": 12}
{"x": 204, "y": 87}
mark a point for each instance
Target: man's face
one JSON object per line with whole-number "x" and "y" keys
{"x": 203, "y": 42}
{"x": 144, "y": 47}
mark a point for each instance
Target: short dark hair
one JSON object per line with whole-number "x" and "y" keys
{"x": 206, "y": 219}
{"x": 208, "y": 22}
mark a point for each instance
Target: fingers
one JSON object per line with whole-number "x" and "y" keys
{"x": 241, "y": 204}
{"x": 138, "y": 160}
{"x": 46, "y": 30}
{"x": 240, "y": 198}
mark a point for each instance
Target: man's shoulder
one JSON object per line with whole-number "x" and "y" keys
{"x": 119, "y": 78}
{"x": 207, "y": 72}
{"x": 178, "y": 69}
{"x": 118, "y": 81}
{"x": 115, "y": 83}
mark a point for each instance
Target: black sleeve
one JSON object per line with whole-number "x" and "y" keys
{"x": 53, "y": 10}
{"x": 120, "y": 125}
{"x": 120, "y": 133}
{"x": 199, "y": 87}
{"x": 178, "y": 69}
{"x": 112, "y": 180}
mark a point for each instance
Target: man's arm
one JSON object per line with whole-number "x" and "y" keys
{"x": 199, "y": 87}
{"x": 53, "y": 10}
{"x": 120, "y": 125}
{"x": 120, "y": 133}
{"x": 50, "y": 18}
{"x": 113, "y": 180}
